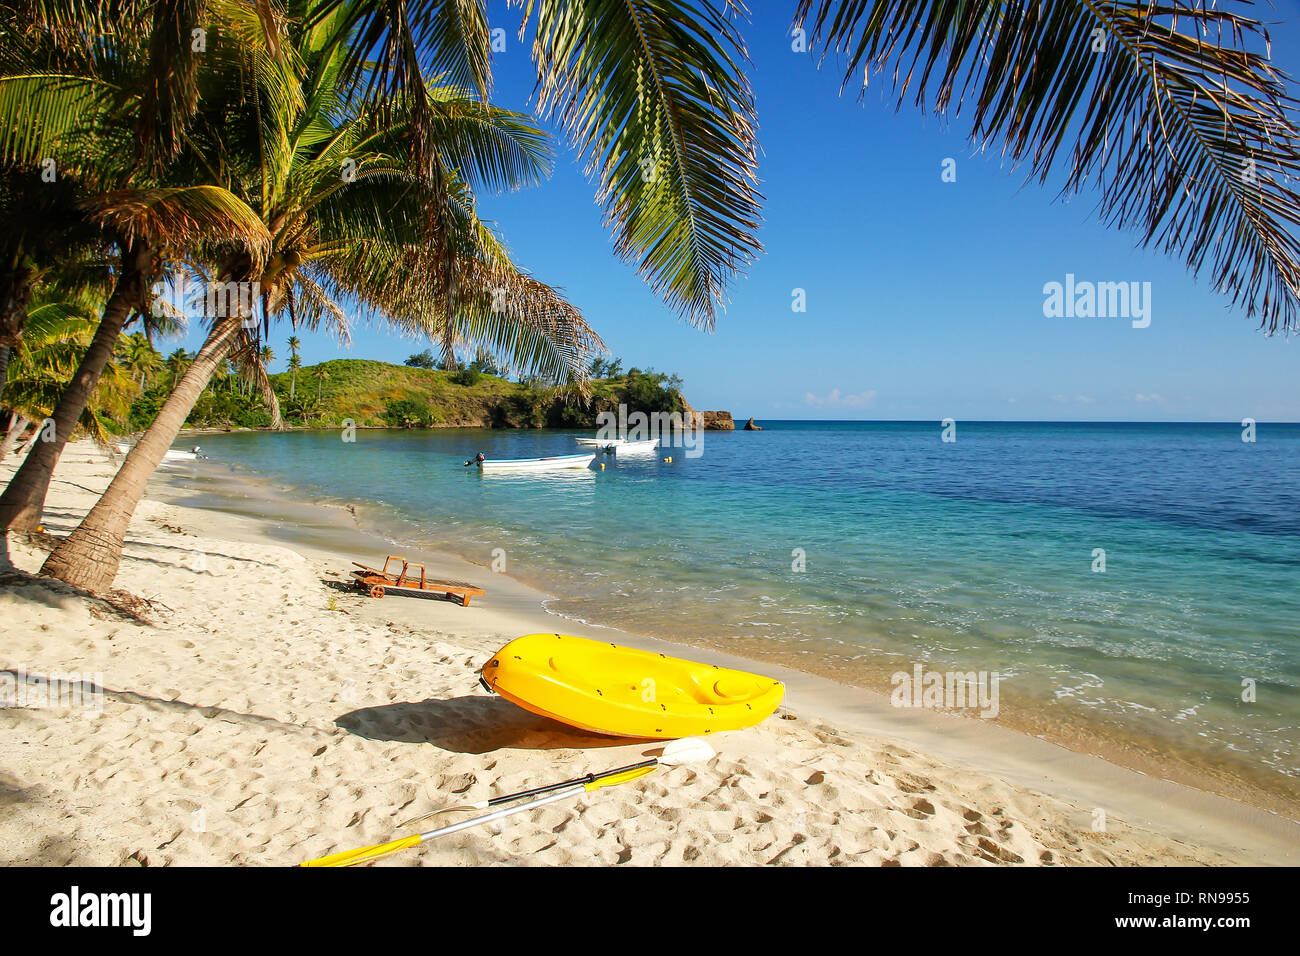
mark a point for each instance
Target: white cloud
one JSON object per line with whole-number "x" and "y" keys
{"x": 836, "y": 399}
{"x": 1084, "y": 399}
{"x": 1153, "y": 397}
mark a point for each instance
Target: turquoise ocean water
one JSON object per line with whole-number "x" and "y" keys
{"x": 859, "y": 549}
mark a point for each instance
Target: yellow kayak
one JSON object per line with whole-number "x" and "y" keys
{"x": 624, "y": 692}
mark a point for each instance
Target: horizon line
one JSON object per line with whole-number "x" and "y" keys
{"x": 1236, "y": 423}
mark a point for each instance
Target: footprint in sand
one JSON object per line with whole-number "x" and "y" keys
{"x": 921, "y": 809}
{"x": 997, "y": 854}
{"x": 915, "y": 785}
{"x": 456, "y": 783}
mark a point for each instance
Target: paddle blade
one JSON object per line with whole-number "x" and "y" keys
{"x": 365, "y": 854}
{"x": 481, "y": 805}
{"x": 614, "y": 779}
{"x": 686, "y": 750}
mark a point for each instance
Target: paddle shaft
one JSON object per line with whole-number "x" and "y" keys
{"x": 589, "y": 778}
{"x": 571, "y": 791}
{"x": 597, "y": 781}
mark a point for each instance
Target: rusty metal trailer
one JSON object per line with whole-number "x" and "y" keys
{"x": 381, "y": 581}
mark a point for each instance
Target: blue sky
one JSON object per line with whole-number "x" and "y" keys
{"x": 924, "y": 298}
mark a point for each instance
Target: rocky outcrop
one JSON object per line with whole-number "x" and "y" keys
{"x": 719, "y": 421}
{"x": 751, "y": 427}
{"x": 711, "y": 421}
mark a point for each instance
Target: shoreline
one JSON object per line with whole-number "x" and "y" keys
{"x": 932, "y": 806}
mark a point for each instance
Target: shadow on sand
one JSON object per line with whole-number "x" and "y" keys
{"x": 470, "y": 725}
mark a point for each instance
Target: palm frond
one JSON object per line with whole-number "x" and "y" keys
{"x": 653, "y": 96}
{"x": 488, "y": 146}
{"x": 170, "y": 92}
{"x": 395, "y": 43}
{"x": 246, "y": 355}
{"x": 492, "y": 305}
{"x": 523, "y": 321}
{"x": 38, "y": 112}
{"x": 311, "y": 306}
{"x": 175, "y": 217}
{"x": 1186, "y": 130}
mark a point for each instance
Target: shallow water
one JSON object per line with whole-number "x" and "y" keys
{"x": 858, "y": 550}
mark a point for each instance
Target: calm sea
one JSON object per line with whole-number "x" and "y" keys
{"x": 859, "y": 549}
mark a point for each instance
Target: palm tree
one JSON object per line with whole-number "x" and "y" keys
{"x": 389, "y": 225}
{"x": 322, "y": 375}
{"x": 295, "y": 363}
{"x": 44, "y": 232}
{"x": 55, "y": 335}
{"x": 177, "y": 364}
{"x": 80, "y": 92}
{"x": 138, "y": 356}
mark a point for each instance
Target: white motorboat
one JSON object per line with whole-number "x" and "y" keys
{"x": 627, "y": 447}
{"x": 172, "y": 454}
{"x": 535, "y": 464}
{"x": 621, "y": 444}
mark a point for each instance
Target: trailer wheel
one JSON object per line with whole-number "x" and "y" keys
{"x": 377, "y": 591}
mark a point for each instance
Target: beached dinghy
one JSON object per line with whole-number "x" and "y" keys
{"x": 172, "y": 454}
{"x": 533, "y": 464}
{"x": 623, "y": 692}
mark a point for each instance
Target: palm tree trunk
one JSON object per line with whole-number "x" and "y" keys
{"x": 449, "y": 351}
{"x": 17, "y": 425}
{"x": 24, "y": 498}
{"x": 89, "y": 557}
{"x": 4, "y": 368}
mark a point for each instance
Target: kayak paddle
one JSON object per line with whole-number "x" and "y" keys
{"x": 534, "y": 792}
{"x": 368, "y": 853}
{"x": 685, "y": 750}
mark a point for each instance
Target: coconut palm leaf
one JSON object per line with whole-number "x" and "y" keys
{"x": 498, "y": 308}
{"x": 487, "y": 146}
{"x": 177, "y": 216}
{"x": 395, "y": 43}
{"x": 170, "y": 92}
{"x": 247, "y": 356}
{"x": 56, "y": 335}
{"x": 311, "y": 306}
{"x": 653, "y": 96}
{"x": 1171, "y": 109}
{"x": 38, "y": 111}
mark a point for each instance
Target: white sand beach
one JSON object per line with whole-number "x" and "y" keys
{"x": 254, "y": 712}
